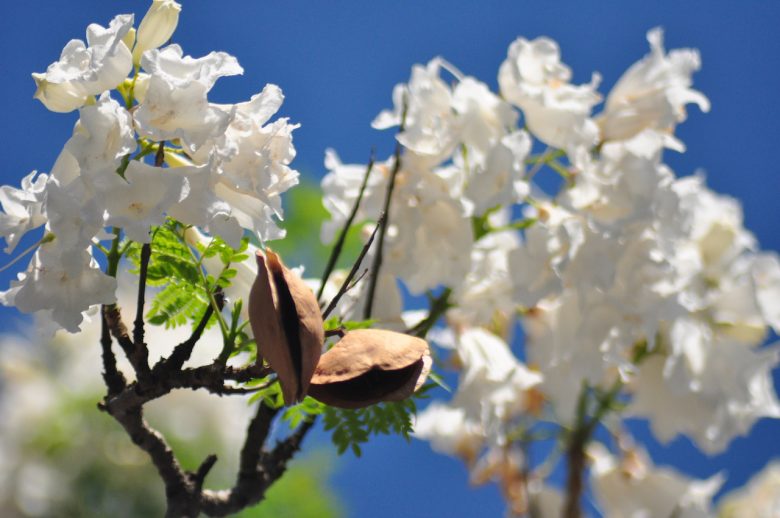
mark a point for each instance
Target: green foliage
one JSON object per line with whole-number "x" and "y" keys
{"x": 335, "y": 323}
{"x": 172, "y": 266}
{"x": 185, "y": 292}
{"x": 294, "y": 415}
{"x": 227, "y": 254}
{"x": 352, "y": 428}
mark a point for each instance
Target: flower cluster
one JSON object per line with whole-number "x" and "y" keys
{"x": 637, "y": 293}
{"x": 631, "y": 285}
{"x": 227, "y": 165}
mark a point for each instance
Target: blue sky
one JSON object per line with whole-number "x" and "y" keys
{"x": 337, "y": 63}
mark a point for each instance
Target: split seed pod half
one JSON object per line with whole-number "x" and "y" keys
{"x": 287, "y": 325}
{"x": 368, "y": 366}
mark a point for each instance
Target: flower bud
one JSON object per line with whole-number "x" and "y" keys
{"x": 287, "y": 325}
{"x": 368, "y": 366}
{"x": 157, "y": 27}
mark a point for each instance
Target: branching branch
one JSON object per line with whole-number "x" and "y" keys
{"x": 116, "y": 325}
{"x": 140, "y": 355}
{"x": 114, "y": 379}
{"x": 183, "y": 351}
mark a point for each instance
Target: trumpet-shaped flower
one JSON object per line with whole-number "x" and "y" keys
{"x": 424, "y": 107}
{"x": 175, "y": 104}
{"x": 23, "y": 209}
{"x": 65, "y": 286}
{"x": 632, "y": 487}
{"x": 712, "y": 390}
{"x": 102, "y": 137}
{"x": 251, "y": 162}
{"x": 557, "y": 112}
{"x": 86, "y": 69}
{"x": 653, "y": 93}
{"x": 134, "y": 207}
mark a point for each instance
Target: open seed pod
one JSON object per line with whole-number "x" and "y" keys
{"x": 368, "y": 366}
{"x": 287, "y": 325}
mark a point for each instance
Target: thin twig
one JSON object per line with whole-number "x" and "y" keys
{"x": 576, "y": 471}
{"x": 357, "y": 279}
{"x": 199, "y": 477}
{"x": 355, "y": 267}
{"x": 182, "y": 352}
{"x": 377, "y": 264}
{"x": 212, "y": 378}
{"x": 438, "y": 307}
{"x": 337, "y": 248}
{"x": 159, "y": 157}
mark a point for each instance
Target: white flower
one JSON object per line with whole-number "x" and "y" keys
{"x": 201, "y": 206}
{"x": 570, "y": 341}
{"x": 497, "y": 179}
{"x": 252, "y": 163}
{"x": 429, "y": 124}
{"x": 627, "y": 184}
{"x": 102, "y": 137}
{"x": 450, "y": 431}
{"x": 712, "y": 390}
{"x": 652, "y": 93}
{"x": 483, "y": 117}
{"x": 428, "y": 243}
{"x": 632, "y": 487}
{"x": 340, "y": 189}
{"x": 759, "y": 498}
{"x": 85, "y": 70}
{"x": 175, "y": 103}
{"x": 486, "y": 291}
{"x": 557, "y": 112}
{"x": 135, "y": 207}
{"x": 23, "y": 209}
{"x": 535, "y": 266}
{"x": 66, "y": 286}
{"x": 765, "y": 272}
{"x": 493, "y": 384}
{"x": 713, "y": 224}
{"x": 156, "y": 28}
{"x": 76, "y": 215}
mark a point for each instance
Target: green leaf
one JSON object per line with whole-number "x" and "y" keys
{"x": 352, "y": 428}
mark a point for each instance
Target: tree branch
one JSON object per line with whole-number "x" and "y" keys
{"x": 114, "y": 379}
{"x": 210, "y": 377}
{"x": 113, "y": 319}
{"x": 259, "y": 470}
{"x": 140, "y": 351}
{"x": 183, "y": 351}
{"x": 576, "y": 470}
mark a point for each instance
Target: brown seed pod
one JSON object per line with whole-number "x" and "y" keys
{"x": 287, "y": 325}
{"x": 368, "y": 366}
